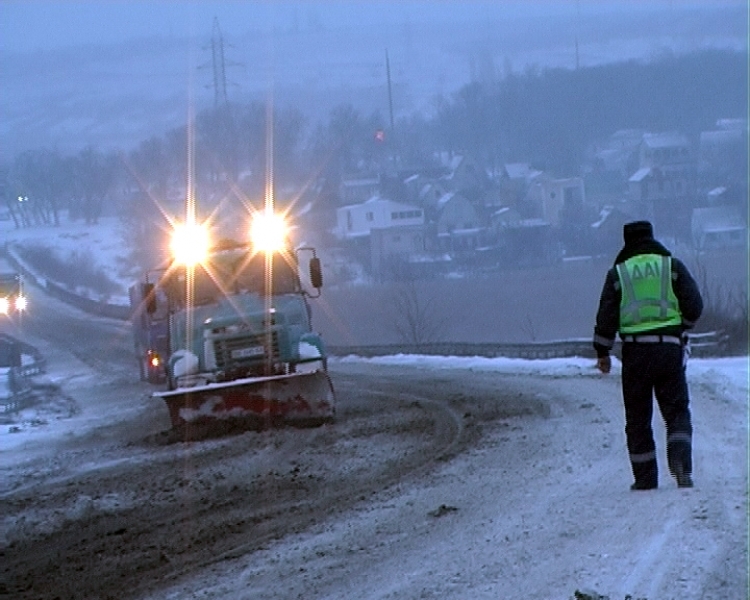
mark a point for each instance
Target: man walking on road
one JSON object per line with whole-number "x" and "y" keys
{"x": 650, "y": 299}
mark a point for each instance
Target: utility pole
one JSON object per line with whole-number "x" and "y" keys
{"x": 390, "y": 93}
{"x": 578, "y": 28}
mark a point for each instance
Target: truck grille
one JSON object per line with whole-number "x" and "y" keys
{"x": 243, "y": 350}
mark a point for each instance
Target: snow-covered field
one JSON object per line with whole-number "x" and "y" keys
{"x": 103, "y": 244}
{"x": 113, "y": 89}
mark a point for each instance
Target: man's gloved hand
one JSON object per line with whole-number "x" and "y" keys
{"x": 604, "y": 364}
{"x": 686, "y": 349}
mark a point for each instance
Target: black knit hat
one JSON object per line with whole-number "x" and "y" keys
{"x": 637, "y": 230}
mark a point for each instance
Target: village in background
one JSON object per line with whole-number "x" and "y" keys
{"x": 519, "y": 167}
{"x": 458, "y": 217}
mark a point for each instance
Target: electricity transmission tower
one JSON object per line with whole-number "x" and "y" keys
{"x": 219, "y": 66}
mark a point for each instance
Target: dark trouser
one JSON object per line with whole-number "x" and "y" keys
{"x": 648, "y": 370}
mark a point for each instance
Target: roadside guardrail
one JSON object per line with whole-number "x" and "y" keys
{"x": 703, "y": 344}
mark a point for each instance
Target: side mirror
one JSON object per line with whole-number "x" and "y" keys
{"x": 149, "y": 297}
{"x": 316, "y": 273}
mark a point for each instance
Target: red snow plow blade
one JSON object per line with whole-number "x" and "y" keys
{"x": 304, "y": 399}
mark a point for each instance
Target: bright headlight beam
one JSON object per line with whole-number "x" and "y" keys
{"x": 189, "y": 244}
{"x": 268, "y": 232}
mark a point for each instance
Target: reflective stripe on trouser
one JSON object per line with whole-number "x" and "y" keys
{"x": 644, "y": 467}
{"x": 650, "y": 370}
{"x": 679, "y": 451}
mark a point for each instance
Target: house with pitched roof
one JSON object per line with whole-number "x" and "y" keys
{"x": 358, "y": 220}
{"x": 717, "y": 227}
{"x": 548, "y": 197}
{"x": 663, "y": 187}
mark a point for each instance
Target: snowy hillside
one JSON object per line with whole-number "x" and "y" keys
{"x": 95, "y": 86}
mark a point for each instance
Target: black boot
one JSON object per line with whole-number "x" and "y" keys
{"x": 645, "y": 474}
{"x": 644, "y": 485}
{"x": 684, "y": 480}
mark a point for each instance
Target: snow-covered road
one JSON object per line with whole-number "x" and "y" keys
{"x": 443, "y": 478}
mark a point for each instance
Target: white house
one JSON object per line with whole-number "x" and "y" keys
{"x": 664, "y": 149}
{"x": 358, "y": 220}
{"x": 718, "y": 227}
{"x": 394, "y": 247}
{"x": 458, "y": 225}
{"x": 519, "y": 171}
{"x": 548, "y": 196}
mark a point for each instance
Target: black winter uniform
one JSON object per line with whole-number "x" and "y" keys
{"x": 650, "y": 369}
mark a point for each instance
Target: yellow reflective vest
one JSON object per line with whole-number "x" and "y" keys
{"x": 647, "y": 301}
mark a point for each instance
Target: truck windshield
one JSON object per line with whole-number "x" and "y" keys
{"x": 235, "y": 272}
{"x": 9, "y": 285}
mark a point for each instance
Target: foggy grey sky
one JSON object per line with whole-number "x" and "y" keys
{"x": 29, "y": 25}
{"x": 110, "y": 73}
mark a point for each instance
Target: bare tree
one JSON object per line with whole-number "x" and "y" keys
{"x": 528, "y": 327}
{"x": 725, "y": 307}
{"x": 415, "y": 314}
{"x": 41, "y": 179}
{"x": 94, "y": 176}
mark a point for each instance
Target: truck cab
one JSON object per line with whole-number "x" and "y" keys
{"x": 229, "y": 331}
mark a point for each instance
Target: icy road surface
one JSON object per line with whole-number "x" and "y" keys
{"x": 442, "y": 478}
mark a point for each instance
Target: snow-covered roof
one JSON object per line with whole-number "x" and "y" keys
{"x": 529, "y": 223}
{"x": 726, "y": 124}
{"x": 609, "y": 155}
{"x": 429, "y": 188}
{"x": 640, "y": 174}
{"x": 629, "y": 137}
{"x": 445, "y": 198}
{"x": 603, "y": 216}
{"x": 664, "y": 140}
{"x": 389, "y": 204}
{"x": 450, "y": 160}
{"x": 362, "y": 182}
{"x": 429, "y": 258}
{"x": 723, "y": 136}
{"x": 520, "y": 171}
{"x": 718, "y": 219}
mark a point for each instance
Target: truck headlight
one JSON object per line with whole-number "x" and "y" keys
{"x": 190, "y": 244}
{"x": 4, "y": 306}
{"x": 21, "y": 303}
{"x": 268, "y": 232}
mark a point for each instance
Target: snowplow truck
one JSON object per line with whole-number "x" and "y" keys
{"x": 150, "y": 330}
{"x": 231, "y": 337}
